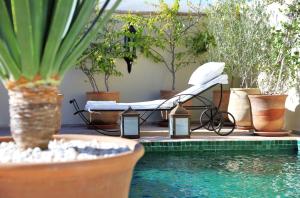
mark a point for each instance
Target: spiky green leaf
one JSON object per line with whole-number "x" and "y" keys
{"x": 7, "y": 33}
{"x": 85, "y": 41}
{"x": 80, "y": 21}
{"x": 3, "y": 71}
{"x": 8, "y": 62}
{"x": 39, "y": 19}
{"x": 23, "y": 28}
{"x": 59, "y": 22}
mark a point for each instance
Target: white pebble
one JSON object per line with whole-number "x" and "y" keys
{"x": 60, "y": 151}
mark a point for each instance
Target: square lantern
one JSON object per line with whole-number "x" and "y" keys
{"x": 179, "y": 122}
{"x": 130, "y": 124}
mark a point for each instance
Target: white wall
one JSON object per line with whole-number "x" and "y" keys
{"x": 144, "y": 83}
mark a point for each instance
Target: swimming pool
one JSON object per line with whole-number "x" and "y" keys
{"x": 194, "y": 174}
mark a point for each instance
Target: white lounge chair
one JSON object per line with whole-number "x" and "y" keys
{"x": 204, "y": 78}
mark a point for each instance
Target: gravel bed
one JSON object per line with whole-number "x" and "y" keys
{"x": 60, "y": 151}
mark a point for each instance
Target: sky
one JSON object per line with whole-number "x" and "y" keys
{"x": 145, "y": 5}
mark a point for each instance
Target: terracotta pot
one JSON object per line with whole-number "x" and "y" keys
{"x": 103, "y": 177}
{"x": 239, "y": 106}
{"x": 167, "y": 94}
{"x": 268, "y": 112}
{"x": 224, "y": 102}
{"x": 104, "y": 118}
{"x": 60, "y": 98}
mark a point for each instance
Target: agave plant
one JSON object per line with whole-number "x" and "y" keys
{"x": 39, "y": 41}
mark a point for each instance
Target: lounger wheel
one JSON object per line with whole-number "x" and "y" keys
{"x": 213, "y": 120}
{"x": 223, "y": 131}
{"x": 207, "y": 121}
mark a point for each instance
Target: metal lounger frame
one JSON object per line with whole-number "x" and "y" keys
{"x": 214, "y": 117}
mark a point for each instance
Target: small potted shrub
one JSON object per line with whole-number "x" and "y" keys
{"x": 100, "y": 59}
{"x": 278, "y": 76}
{"x": 241, "y": 32}
{"x": 168, "y": 41}
{"x": 39, "y": 42}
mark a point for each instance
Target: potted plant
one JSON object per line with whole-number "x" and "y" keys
{"x": 39, "y": 42}
{"x": 278, "y": 76}
{"x": 241, "y": 31}
{"x": 100, "y": 58}
{"x": 168, "y": 41}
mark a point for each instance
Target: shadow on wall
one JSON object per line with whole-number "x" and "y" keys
{"x": 292, "y": 119}
{"x": 292, "y": 114}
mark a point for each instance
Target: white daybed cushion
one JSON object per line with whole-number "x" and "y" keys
{"x": 206, "y": 72}
{"x": 153, "y": 104}
{"x": 149, "y": 105}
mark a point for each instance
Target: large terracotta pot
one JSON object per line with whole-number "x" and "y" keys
{"x": 268, "y": 112}
{"x": 167, "y": 94}
{"x": 103, "y": 177}
{"x": 104, "y": 119}
{"x": 239, "y": 106}
{"x": 224, "y": 102}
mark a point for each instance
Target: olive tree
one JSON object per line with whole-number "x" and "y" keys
{"x": 242, "y": 35}
{"x": 281, "y": 72}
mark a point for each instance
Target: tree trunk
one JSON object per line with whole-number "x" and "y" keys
{"x": 106, "y": 77}
{"x": 173, "y": 80}
{"x": 33, "y": 115}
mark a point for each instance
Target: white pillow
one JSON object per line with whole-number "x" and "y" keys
{"x": 206, "y": 73}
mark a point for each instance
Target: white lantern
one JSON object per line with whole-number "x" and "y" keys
{"x": 130, "y": 124}
{"x": 179, "y": 122}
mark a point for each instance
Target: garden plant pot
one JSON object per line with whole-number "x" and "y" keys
{"x": 239, "y": 106}
{"x": 101, "y": 177}
{"x": 60, "y": 98}
{"x": 224, "y": 102}
{"x": 268, "y": 114}
{"x": 104, "y": 120}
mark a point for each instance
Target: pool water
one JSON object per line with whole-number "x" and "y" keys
{"x": 182, "y": 174}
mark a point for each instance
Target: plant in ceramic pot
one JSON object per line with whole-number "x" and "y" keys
{"x": 100, "y": 59}
{"x": 168, "y": 41}
{"x": 168, "y": 34}
{"x": 241, "y": 33}
{"x": 39, "y": 42}
{"x": 279, "y": 75}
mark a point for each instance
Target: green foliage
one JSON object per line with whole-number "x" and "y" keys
{"x": 107, "y": 48}
{"x": 171, "y": 38}
{"x": 199, "y": 42}
{"x": 41, "y": 40}
{"x": 282, "y": 70}
{"x": 241, "y": 37}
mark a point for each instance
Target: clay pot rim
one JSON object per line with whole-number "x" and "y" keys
{"x": 266, "y": 95}
{"x": 224, "y": 90}
{"x": 241, "y": 89}
{"x": 138, "y": 150}
{"x": 168, "y": 90}
{"x": 95, "y": 92}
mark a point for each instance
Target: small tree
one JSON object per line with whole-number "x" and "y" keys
{"x": 282, "y": 71}
{"x": 100, "y": 57}
{"x": 241, "y": 37}
{"x": 167, "y": 36}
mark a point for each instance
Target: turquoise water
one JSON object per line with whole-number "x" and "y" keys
{"x": 191, "y": 175}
